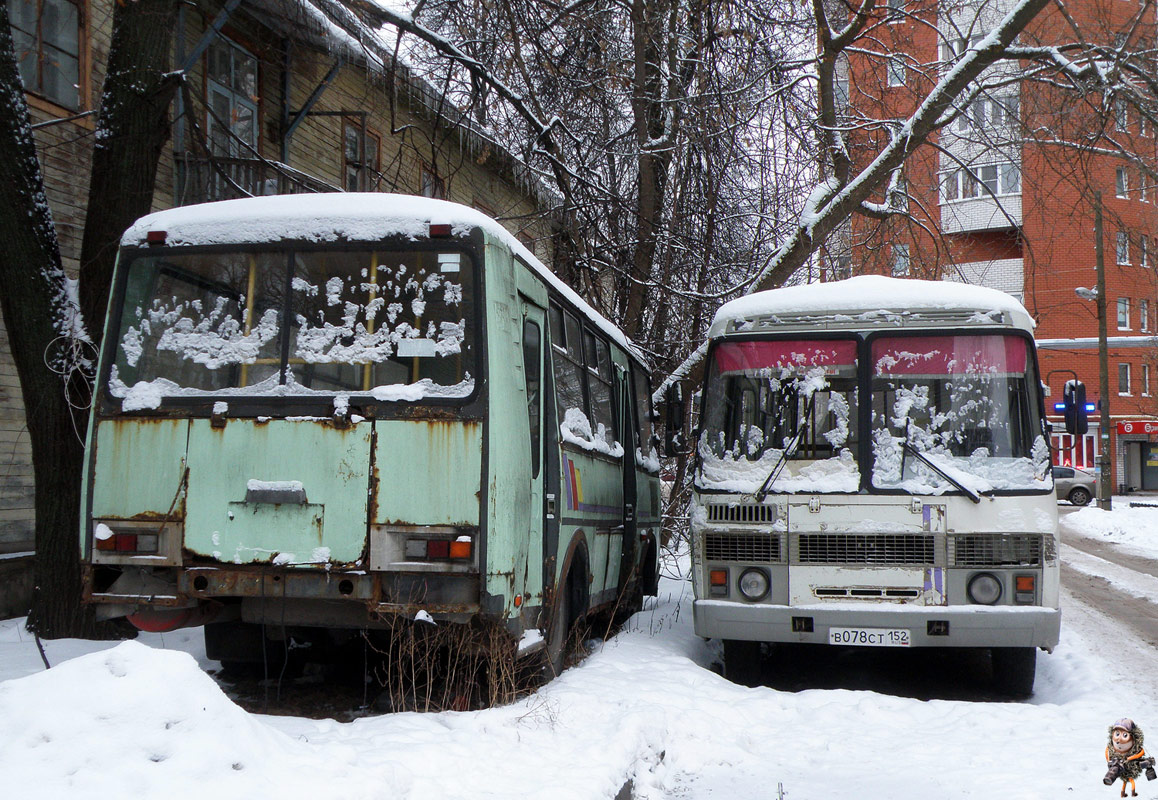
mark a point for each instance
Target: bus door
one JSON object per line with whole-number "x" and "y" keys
{"x": 629, "y": 439}
{"x": 536, "y": 377}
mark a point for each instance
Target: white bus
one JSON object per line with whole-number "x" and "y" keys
{"x": 873, "y": 469}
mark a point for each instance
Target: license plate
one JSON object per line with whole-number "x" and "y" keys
{"x": 870, "y": 637}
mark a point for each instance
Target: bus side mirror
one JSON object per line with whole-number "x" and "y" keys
{"x": 1074, "y": 408}
{"x": 673, "y": 420}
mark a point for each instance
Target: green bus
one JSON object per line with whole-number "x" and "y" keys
{"x": 318, "y": 414}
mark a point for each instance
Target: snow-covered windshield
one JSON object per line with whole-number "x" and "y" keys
{"x": 374, "y": 321}
{"x": 967, "y": 403}
{"x": 780, "y": 405}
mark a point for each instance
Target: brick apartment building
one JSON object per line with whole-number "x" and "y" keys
{"x": 996, "y": 200}
{"x": 284, "y": 96}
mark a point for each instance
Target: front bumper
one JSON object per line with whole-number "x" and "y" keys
{"x": 968, "y": 626}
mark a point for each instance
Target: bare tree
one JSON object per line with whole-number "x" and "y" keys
{"x": 42, "y": 309}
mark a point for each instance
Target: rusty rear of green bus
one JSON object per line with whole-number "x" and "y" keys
{"x": 322, "y": 415}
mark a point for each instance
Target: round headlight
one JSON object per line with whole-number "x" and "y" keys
{"x": 984, "y": 588}
{"x": 753, "y": 583}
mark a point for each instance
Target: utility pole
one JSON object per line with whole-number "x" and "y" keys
{"x": 1105, "y": 482}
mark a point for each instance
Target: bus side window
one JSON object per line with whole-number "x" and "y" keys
{"x": 599, "y": 384}
{"x": 532, "y": 366}
{"x": 642, "y": 391}
{"x": 569, "y": 383}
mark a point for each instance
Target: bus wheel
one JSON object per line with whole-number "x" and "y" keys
{"x": 569, "y": 607}
{"x": 742, "y": 662}
{"x": 1013, "y": 670}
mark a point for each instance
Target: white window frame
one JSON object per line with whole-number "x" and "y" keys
{"x": 902, "y": 260}
{"x": 898, "y": 73}
{"x": 1121, "y": 182}
{"x": 1123, "y": 372}
{"x": 1145, "y": 380}
{"x": 1122, "y": 248}
{"x": 1123, "y": 313}
{"x": 1144, "y": 314}
{"x": 1144, "y": 250}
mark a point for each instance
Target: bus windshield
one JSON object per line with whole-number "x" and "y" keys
{"x": 394, "y": 324}
{"x": 966, "y": 403}
{"x": 782, "y": 409}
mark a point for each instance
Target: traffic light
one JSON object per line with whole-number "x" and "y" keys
{"x": 1074, "y": 398}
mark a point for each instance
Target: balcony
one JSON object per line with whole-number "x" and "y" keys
{"x": 981, "y": 214}
{"x": 203, "y": 180}
{"x": 1005, "y": 274}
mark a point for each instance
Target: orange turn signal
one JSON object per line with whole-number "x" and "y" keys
{"x": 1025, "y": 583}
{"x": 460, "y": 549}
{"x": 718, "y": 577}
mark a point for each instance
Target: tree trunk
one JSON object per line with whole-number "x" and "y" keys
{"x": 132, "y": 130}
{"x": 44, "y": 323}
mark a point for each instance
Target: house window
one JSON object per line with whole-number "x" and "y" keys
{"x": 1123, "y": 379}
{"x": 842, "y": 267}
{"x": 1121, "y": 116}
{"x": 896, "y": 10}
{"x": 360, "y": 152}
{"x": 897, "y": 71}
{"x": 1123, "y": 247}
{"x": 1144, "y": 248}
{"x": 1010, "y": 178}
{"x": 1145, "y": 380}
{"x": 1123, "y": 313}
{"x": 1144, "y": 314}
{"x": 900, "y": 260}
{"x": 46, "y": 36}
{"x": 432, "y": 185}
{"x": 1121, "y": 182}
{"x": 987, "y": 175}
{"x": 232, "y": 99}
{"x": 899, "y": 197}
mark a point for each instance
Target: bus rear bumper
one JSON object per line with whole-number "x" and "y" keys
{"x": 936, "y": 626}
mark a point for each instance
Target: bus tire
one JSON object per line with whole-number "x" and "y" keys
{"x": 649, "y": 569}
{"x": 742, "y": 662}
{"x": 570, "y": 606}
{"x": 1014, "y": 669}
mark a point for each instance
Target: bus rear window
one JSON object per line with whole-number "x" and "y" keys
{"x": 307, "y": 322}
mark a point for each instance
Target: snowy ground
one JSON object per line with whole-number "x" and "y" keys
{"x": 142, "y": 719}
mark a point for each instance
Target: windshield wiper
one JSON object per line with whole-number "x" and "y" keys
{"x": 907, "y": 448}
{"x": 787, "y": 452}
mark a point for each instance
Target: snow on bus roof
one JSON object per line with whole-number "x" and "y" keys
{"x": 341, "y": 217}
{"x": 870, "y": 295}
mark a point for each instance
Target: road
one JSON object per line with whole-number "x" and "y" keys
{"x": 1110, "y": 594}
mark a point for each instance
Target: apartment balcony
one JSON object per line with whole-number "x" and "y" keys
{"x": 203, "y": 180}
{"x": 1004, "y": 274}
{"x": 981, "y": 214}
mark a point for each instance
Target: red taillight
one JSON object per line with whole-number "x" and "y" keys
{"x": 440, "y": 229}
{"x": 156, "y": 237}
{"x": 438, "y": 548}
{"x": 126, "y": 542}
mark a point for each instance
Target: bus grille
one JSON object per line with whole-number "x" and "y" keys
{"x": 760, "y": 549}
{"x": 995, "y": 550}
{"x": 741, "y": 512}
{"x": 852, "y": 548}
